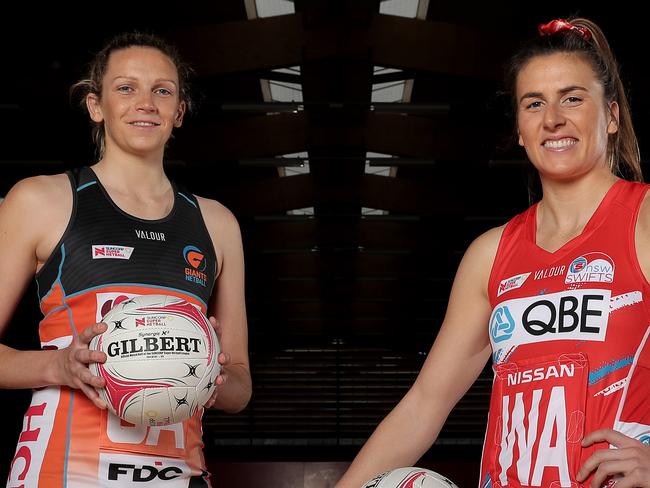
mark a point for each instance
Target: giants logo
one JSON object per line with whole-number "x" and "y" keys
{"x": 195, "y": 260}
{"x": 577, "y": 315}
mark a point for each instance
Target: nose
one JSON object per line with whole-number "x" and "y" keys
{"x": 553, "y": 117}
{"x": 145, "y": 102}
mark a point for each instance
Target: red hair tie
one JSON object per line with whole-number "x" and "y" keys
{"x": 560, "y": 25}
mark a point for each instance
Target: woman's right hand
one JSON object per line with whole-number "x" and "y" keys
{"x": 72, "y": 364}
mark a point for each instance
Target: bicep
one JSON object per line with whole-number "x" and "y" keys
{"x": 462, "y": 347}
{"x": 18, "y": 240}
{"x": 228, "y": 302}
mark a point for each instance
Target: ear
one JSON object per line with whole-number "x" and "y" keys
{"x": 520, "y": 140}
{"x": 180, "y": 113}
{"x": 94, "y": 108}
{"x": 612, "y": 126}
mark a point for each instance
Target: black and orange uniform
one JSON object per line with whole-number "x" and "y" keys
{"x": 569, "y": 333}
{"x": 106, "y": 256}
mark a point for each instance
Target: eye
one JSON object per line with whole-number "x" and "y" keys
{"x": 164, "y": 92}
{"x": 573, "y": 99}
{"x": 534, "y": 105}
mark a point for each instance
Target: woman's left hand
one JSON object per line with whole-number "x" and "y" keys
{"x": 224, "y": 361}
{"x": 628, "y": 464}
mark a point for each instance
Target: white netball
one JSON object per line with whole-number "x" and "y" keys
{"x": 409, "y": 478}
{"x": 161, "y": 360}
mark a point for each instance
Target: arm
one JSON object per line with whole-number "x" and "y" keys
{"x": 457, "y": 357}
{"x": 229, "y": 308}
{"x": 32, "y": 219}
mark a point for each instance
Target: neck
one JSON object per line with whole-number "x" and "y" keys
{"x": 132, "y": 174}
{"x": 568, "y": 205}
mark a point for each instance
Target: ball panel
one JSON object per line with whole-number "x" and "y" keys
{"x": 162, "y": 359}
{"x": 183, "y": 401}
{"x": 410, "y": 477}
{"x": 157, "y": 407}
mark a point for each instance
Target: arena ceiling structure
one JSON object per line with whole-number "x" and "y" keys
{"x": 362, "y": 145}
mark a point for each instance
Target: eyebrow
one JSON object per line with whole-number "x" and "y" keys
{"x": 561, "y": 91}
{"x": 135, "y": 79}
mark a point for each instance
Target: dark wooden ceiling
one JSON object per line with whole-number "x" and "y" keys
{"x": 342, "y": 306}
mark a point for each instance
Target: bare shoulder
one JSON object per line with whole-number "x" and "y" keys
{"x": 484, "y": 248}
{"x": 642, "y": 236}
{"x": 217, "y": 216}
{"x": 35, "y": 214}
{"x": 38, "y": 197}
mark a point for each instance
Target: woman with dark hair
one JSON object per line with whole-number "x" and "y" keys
{"x": 136, "y": 93}
{"x": 555, "y": 296}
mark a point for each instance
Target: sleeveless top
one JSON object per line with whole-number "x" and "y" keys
{"x": 568, "y": 331}
{"x": 106, "y": 256}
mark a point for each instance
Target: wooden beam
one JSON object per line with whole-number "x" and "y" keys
{"x": 394, "y": 41}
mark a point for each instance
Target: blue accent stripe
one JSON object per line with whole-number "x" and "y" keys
{"x": 487, "y": 482}
{"x": 141, "y": 285}
{"x": 188, "y": 199}
{"x": 86, "y": 185}
{"x": 65, "y": 305}
{"x": 67, "y": 440}
{"x": 54, "y": 310}
{"x": 57, "y": 280}
{"x": 600, "y": 373}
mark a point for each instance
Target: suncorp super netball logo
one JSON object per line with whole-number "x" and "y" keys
{"x": 196, "y": 264}
{"x": 593, "y": 267}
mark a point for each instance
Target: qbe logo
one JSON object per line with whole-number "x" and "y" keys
{"x": 501, "y": 325}
{"x": 577, "y": 315}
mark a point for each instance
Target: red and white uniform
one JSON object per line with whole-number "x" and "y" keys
{"x": 569, "y": 332}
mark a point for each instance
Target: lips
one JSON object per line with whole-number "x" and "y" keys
{"x": 559, "y": 144}
{"x": 144, "y": 123}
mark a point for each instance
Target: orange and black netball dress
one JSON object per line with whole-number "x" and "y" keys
{"x": 106, "y": 256}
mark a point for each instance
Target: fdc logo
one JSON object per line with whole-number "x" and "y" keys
{"x": 142, "y": 473}
{"x": 502, "y": 325}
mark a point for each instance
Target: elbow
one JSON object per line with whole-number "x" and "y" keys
{"x": 239, "y": 396}
{"x": 240, "y": 403}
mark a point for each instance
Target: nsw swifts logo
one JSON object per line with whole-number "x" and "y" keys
{"x": 593, "y": 267}
{"x": 195, "y": 259}
{"x": 104, "y": 251}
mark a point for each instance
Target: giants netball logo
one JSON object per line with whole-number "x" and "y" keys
{"x": 594, "y": 267}
{"x": 196, "y": 264}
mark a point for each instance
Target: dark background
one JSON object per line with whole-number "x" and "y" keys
{"x": 343, "y": 303}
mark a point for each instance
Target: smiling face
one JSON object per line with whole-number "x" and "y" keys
{"x": 563, "y": 118}
{"x": 139, "y": 103}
